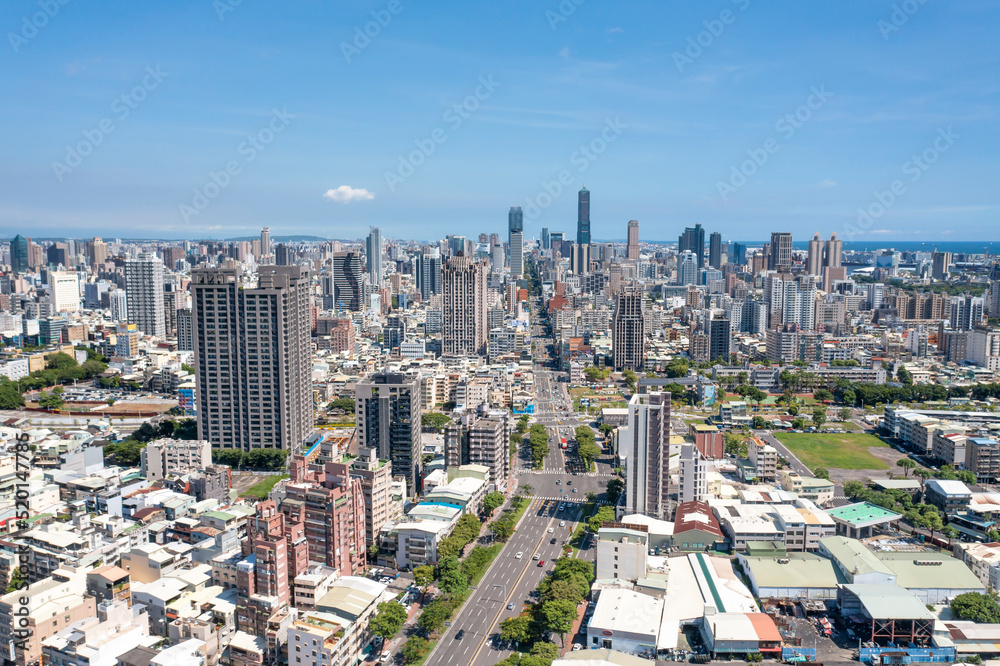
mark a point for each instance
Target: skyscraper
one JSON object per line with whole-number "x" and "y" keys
{"x": 144, "y": 288}
{"x": 687, "y": 268}
{"x": 628, "y": 331}
{"x": 834, "y": 252}
{"x": 65, "y": 291}
{"x": 545, "y": 239}
{"x": 715, "y": 250}
{"x": 373, "y": 250}
{"x": 633, "y": 240}
{"x": 282, "y": 255}
{"x": 97, "y": 251}
{"x": 780, "y": 258}
{"x": 965, "y": 312}
{"x": 515, "y": 226}
{"x": 429, "y": 272}
{"x": 583, "y": 217}
{"x": 388, "y": 420}
{"x": 737, "y": 253}
{"x": 253, "y": 354}
{"x": 646, "y": 442}
{"x": 347, "y": 291}
{"x": 465, "y": 321}
{"x": 693, "y": 240}
{"x": 265, "y": 241}
{"x": 814, "y": 263}
{"x": 940, "y": 265}
{"x": 719, "y": 337}
{"x": 20, "y": 260}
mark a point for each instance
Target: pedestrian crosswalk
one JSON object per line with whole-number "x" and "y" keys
{"x": 562, "y": 471}
{"x": 563, "y": 499}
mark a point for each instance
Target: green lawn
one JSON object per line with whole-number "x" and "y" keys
{"x": 839, "y": 451}
{"x": 262, "y": 488}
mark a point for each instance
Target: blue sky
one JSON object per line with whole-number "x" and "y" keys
{"x": 207, "y": 84}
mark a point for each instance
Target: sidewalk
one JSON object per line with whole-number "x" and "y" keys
{"x": 572, "y": 637}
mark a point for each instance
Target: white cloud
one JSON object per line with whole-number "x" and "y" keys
{"x": 828, "y": 182}
{"x": 615, "y": 30}
{"x": 347, "y": 194}
{"x": 564, "y": 52}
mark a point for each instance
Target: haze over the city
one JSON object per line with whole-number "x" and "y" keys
{"x": 212, "y": 119}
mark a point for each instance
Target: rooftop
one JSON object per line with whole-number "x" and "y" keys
{"x": 890, "y": 602}
{"x": 863, "y": 514}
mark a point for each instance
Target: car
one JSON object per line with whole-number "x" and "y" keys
{"x": 458, "y": 636}
{"x": 551, "y": 530}
{"x": 559, "y": 482}
{"x": 569, "y": 483}
{"x": 385, "y": 656}
{"x": 536, "y": 556}
{"x": 519, "y": 555}
{"x": 541, "y": 563}
{"x": 510, "y": 606}
{"x": 552, "y": 541}
{"x": 577, "y": 647}
{"x": 562, "y": 523}
{"x": 574, "y": 490}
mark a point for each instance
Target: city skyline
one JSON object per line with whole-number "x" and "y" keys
{"x": 673, "y": 122}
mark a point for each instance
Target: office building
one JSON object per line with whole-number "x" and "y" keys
{"x": 515, "y": 226}
{"x": 20, "y": 257}
{"x": 483, "y": 441}
{"x": 579, "y": 259}
{"x": 429, "y": 272}
{"x": 97, "y": 251}
{"x": 715, "y": 250}
{"x": 940, "y": 265}
{"x": 718, "y": 326}
{"x": 373, "y": 250}
{"x": 348, "y": 293}
{"x": 628, "y": 334}
{"x": 283, "y": 255}
{"x": 687, "y": 268}
{"x": 144, "y": 289}
{"x": 65, "y": 291}
{"x": 253, "y": 354}
{"x": 737, "y": 254}
{"x": 465, "y": 327}
{"x": 546, "y": 241}
{"x": 583, "y": 217}
{"x": 185, "y": 330}
{"x": 644, "y": 444}
{"x": 265, "y": 242}
{"x": 693, "y": 240}
{"x": 633, "y": 240}
{"x": 780, "y": 258}
{"x": 388, "y": 421}
{"x": 118, "y": 303}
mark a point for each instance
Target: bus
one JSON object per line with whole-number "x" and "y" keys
{"x": 564, "y": 443}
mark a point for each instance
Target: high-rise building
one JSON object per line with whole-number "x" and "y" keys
{"x": 633, "y": 241}
{"x": 737, "y": 254}
{"x": 65, "y": 291}
{"x": 834, "y": 252}
{"x": 20, "y": 258}
{"x": 515, "y": 226}
{"x": 373, "y": 250}
{"x": 580, "y": 259}
{"x": 375, "y": 476}
{"x": 481, "y": 441}
{"x": 687, "y": 268}
{"x": 692, "y": 474}
{"x": 185, "y": 330}
{"x": 144, "y": 288}
{"x": 780, "y": 258}
{"x": 583, "y": 217}
{"x": 645, "y": 441}
{"x": 628, "y": 331}
{"x": 347, "y": 289}
{"x": 265, "y": 242}
{"x": 719, "y": 337}
{"x": 253, "y": 354}
{"x": 118, "y": 303}
{"x": 940, "y": 265}
{"x": 97, "y": 251}
{"x": 715, "y": 250}
{"x": 388, "y": 420}
{"x": 693, "y": 240}
{"x": 546, "y": 244}
{"x": 966, "y": 312}
{"x": 429, "y": 272}
{"x": 814, "y": 262}
{"x": 283, "y": 255}
{"x": 465, "y": 321}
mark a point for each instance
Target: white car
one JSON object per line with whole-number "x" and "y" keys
{"x": 562, "y": 523}
{"x": 536, "y": 556}
{"x": 519, "y": 555}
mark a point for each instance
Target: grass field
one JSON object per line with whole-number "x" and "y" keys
{"x": 839, "y": 451}
{"x": 262, "y": 488}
